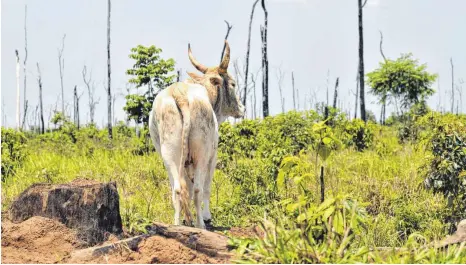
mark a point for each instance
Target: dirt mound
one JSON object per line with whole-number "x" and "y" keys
{"x": 44, "y": 240}
{"x": 37, "y": 240}
{"x": 156, "y": 249}
{"x": 246, "y": 232}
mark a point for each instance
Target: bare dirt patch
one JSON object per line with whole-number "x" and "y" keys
{"x": 156, "y": 249}
{"x": 37, "y": 240}
{"x": 44, "y": 240}
{"x": 246, "y": 232}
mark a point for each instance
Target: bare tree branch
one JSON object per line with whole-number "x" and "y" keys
{"x": 384, "y": 97}
{"x": 39, "y": 81}
{"x": 109, "y": 91}
{"x": 361, "y": 60}
{"x": 24, "y": 64}
{"x": 381, "y": 42}
{"x": 178, "y": 75}
{"x": 61, "y": 64}
{"x": 24, "y": 114}
{"x": 364, "y": 4}
{"x": 18, "y": 114}
{"x": 226, "y": 37}
{"x": 265, "y": 65}
{"x": 335, "y": 94}
{"x": 459, "y": 89}
{"x": 247, "y": 53}
{"x": 280, "y": 76}
{"x": 91, "y": 91}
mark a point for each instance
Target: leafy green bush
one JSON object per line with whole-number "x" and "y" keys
{"x": 13, "y": 151}
{"x": 307, "y": 233}
{"x": 357, "y": 134}
{"x": 447, "y": 170}
{"x": 333, "y": 232}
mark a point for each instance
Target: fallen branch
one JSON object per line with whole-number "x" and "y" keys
{"x": 210, "y": 243}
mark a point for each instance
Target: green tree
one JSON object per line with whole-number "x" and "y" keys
{"x": 149, "y": 70}
{"x": 402, "y": 80}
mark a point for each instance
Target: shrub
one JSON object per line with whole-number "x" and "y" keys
{"x": 357, "y": 134}
{"x": 326, "y": 233}
{"x": 447, "y": 169}
{"x": 13, "y": 151}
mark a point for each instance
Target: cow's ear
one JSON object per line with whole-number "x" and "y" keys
{"x": 195, "y": 77}
{"x": 216, "y": 80}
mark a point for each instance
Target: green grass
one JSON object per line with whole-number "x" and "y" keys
{"x": 142, "y": 182}
{"x": 386, "y": 179}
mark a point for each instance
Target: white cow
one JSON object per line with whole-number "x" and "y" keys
{"x": 183, "y": 126}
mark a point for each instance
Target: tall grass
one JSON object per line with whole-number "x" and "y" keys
{"x": 379, "y": 171}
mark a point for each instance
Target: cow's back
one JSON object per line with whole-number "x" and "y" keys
{"x": 165, "y": 121}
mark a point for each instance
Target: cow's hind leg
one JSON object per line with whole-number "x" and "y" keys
{"x": 199, "y": 173}
{"x": 189, "y": 174}
{"x": 201, "y": 170}
{"x": 206, "y": 215}
{"x": 171, "y": 160}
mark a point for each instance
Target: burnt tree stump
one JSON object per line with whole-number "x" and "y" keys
{"x": 90, "y": 207}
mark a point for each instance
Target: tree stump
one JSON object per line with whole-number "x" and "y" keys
{"x": 90, "y": 207}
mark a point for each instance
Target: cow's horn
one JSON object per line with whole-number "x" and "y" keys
{"x": 226, "y": 57}
{"x": 196, "y": 64}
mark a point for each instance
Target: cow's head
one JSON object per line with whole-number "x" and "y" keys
{"x": 220, "y": 85}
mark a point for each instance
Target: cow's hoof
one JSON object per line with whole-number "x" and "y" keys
{"x": 208, "y": 223}
{"x": 186, "y": 223}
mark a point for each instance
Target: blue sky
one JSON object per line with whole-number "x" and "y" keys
{"x": 309, "y": 37}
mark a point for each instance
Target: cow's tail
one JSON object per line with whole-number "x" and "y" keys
{"x": 183, "y": 104}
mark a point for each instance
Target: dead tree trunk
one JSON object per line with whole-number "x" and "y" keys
{"x": 75, "y": 95}
{"x": 280, "y": 76}
{"x": 109, "y": 92}
{"x": 381, "y": 50}
{"x": 459, "y": 102}
{"x": 41, "y": 106}
{"x": 265, "y": 65}
{"x": 247, "y": 53}
{"x": 327, "y": 104}
{"x": 76, "y": 106}
{"x": 226, "y": 37}
{"x": 24, "y": 66}
{"x": 36, "y": 115}
{"x": 178, "y": 75}
{"x": 18, "y": 114}
{"x": 255, "y": 97}
{"x": 61, "y": 64}
{"x": 25, "y": 111}
{"x": 335, "y": 94}
{"x": 90, "y": 90}
{"x": 452, "y": 86}
{"x": 361, "y": 60}
{"x": 384, "y": 96}
{"x": 357, "y": 97}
